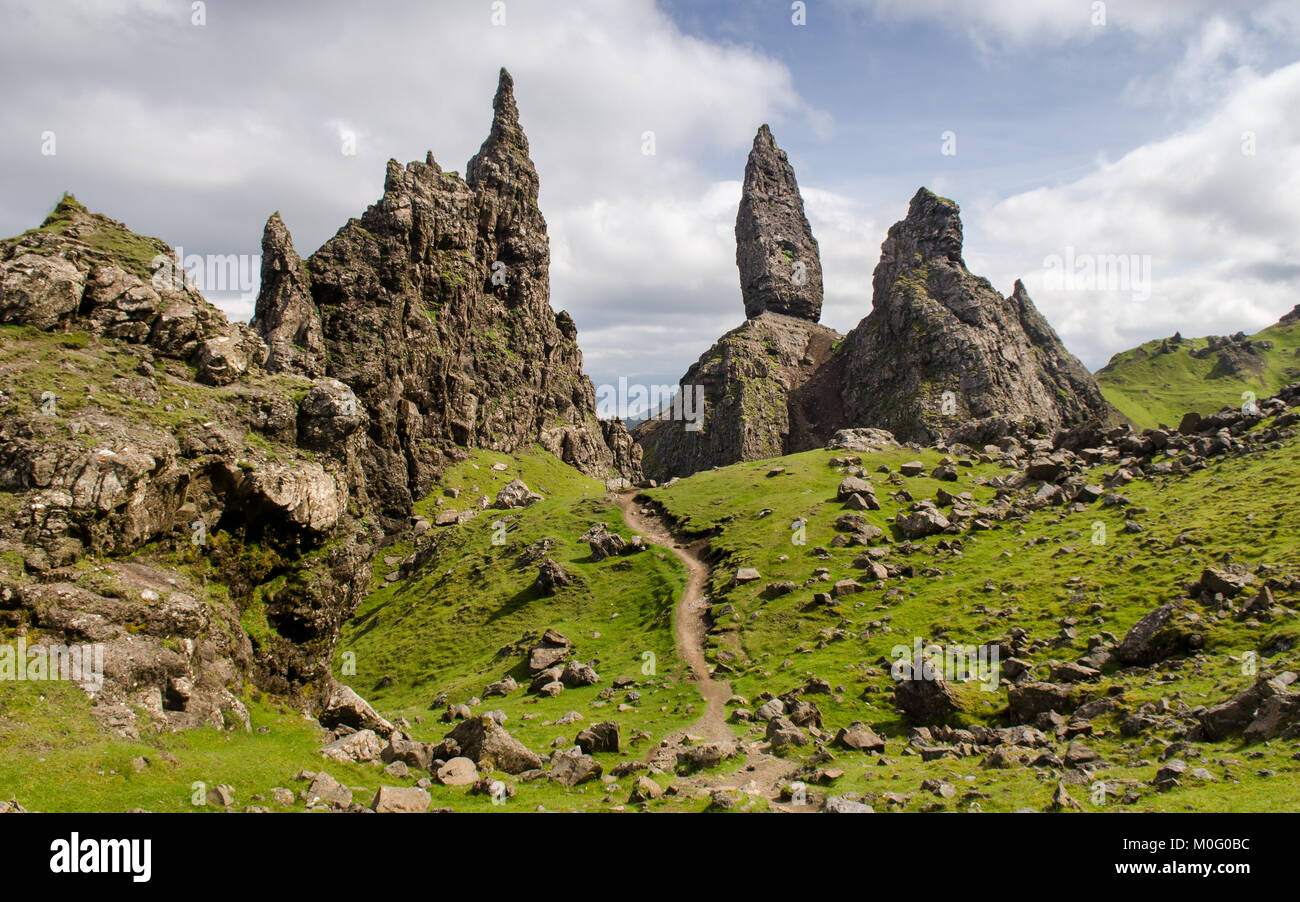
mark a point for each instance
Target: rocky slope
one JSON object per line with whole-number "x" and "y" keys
{"x": 943, "y": 354}
{"x": 748, "y": 376}
{"x": 434, "y": 307}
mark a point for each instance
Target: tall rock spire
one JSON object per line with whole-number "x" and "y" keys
{"x": 285, "y": 316}
{"x": 776, "y": 253}
{"x": 503, "y": 159}
{"x": 435, "y": 307}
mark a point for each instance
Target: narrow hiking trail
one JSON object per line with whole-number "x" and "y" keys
{"x": 763, "y": 771}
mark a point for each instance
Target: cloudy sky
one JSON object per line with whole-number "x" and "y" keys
{"x": 1165, "y": 131}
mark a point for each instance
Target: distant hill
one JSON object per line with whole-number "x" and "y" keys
{"x": 1159, "y": 381}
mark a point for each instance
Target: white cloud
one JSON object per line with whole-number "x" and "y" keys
{"x": 1221, "y": 228}
{"x": 1016, "y": 23}
{"x": 196, "y": 134}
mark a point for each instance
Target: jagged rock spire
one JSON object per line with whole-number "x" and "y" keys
{"x": 285, "y": 316}
{"x": 436, "y": 311}
{"x": 503, "y": 158}
{"x": 776, "y": 253}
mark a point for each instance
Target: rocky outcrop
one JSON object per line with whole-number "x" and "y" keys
{"x": 942, "y": 351}
{"x": 942, "y": 355}
{"x": 741, "y": 391}
{"x": 139, "y": 426}
{"x": 82, "y": 271}
{"x": 776, "y": 253}
{"x": 434, "y": 309}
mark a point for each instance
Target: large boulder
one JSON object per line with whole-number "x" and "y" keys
{"x": 346, "y": 708}
{"x": 923, "y": 694}
{"x": 488, "y": 744}
{"x": 600, "y": 737}
{"x": 569, "y": 767}
{"x": 553, "y": 649}
{"x": 924, "y": 521}
{"x": 400, "y": 800}
{"x": 354, "y": 748}
{"x": 515, "y": 493}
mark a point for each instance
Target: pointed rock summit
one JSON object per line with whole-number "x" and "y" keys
{"x": 434, "y": 308}
{"x": 285, "y": 315}
{"x": 943, "y": 354}
{"x": 779, "y": 262}
{"x": 503, "y": 162}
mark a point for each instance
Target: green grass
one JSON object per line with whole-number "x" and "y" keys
{"x": 102, "y": 239}
{"x": 466, "y": 617}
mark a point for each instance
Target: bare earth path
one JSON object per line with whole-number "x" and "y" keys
{"x": 763, "y": 770}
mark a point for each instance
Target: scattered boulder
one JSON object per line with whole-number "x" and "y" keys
{"x": 551, "y": 650}
{"x": 1153, "y": 638}
{"x": 459, "y": 771}
{"x": 924, "y": 696}
{"x": 841, "y": 805}
{"x": 354, "y": 748}
{"x": 503, "y": 686}
{"x": 645, "y": 789}
{"x": 325, "y": 790}
{"x": 1027, "y": 700}
{"x": 487, "y": 743}
{"x": 551, "y": 577}
{"x": 605, "y": 544}
{"x": 859, "y": 737}
{"x": 569, "y": 767}
{"x": 782, "y": 733}
{"x": 400, "y": 800}
{"x": 515, "y": 494}
{"x": 576, "y": 674}
{"x": 599, "y": 737}
{"x": 346, "y": 708}
{"x": 924, "y": 521}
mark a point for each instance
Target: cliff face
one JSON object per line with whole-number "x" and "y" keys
{"x": 943, "y": 354}
{"x": 434, "y": 307}
{"x": 747, "y": 377}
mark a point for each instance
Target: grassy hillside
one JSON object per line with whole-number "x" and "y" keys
{"x": 1151, "y": 388}
{"x": 465, "y": 617}
{"x": 1039, "y": 575}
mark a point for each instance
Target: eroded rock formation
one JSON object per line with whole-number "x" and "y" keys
{"x": 776, "y": 253}
{"x": 435, "y": 309}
